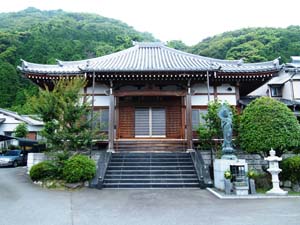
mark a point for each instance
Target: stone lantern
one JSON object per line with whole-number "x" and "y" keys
{"x": 274, "y": 170}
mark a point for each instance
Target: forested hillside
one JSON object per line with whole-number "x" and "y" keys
{"x": 252, "y": 44}
{"x": 43, "y": 36}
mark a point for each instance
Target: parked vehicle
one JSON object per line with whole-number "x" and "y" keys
{"x": 13, "y": 158}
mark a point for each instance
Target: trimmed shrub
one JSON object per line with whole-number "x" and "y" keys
{"x": 79, "y": 168}
{"x": 43, "y": 170}
{"x": 267, "y": 123}
{"x": 291, "y": 169}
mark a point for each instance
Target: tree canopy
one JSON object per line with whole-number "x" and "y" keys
{"x": 66, "y": 116}
{"x": 267, "y": 123}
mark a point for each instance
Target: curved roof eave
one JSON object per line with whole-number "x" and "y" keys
{"x": 148, "y": 57}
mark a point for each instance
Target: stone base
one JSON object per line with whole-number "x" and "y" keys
{"x": 241, "y": 190}
{"x": 276, "y": 191}
{"x": 229, "y": 157}
{"x": 221, "y": 165}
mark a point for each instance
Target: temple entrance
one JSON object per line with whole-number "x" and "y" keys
{"x": 150, "y": 117}
{"x": 150, "y": 122}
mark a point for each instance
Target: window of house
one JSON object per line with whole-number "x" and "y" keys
{"x": 101, "y": 119}
{"x": 197, "y": 117}
{"x": 276, "y": 91}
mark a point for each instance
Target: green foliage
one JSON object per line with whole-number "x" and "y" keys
{"x": 66, "y": 116}
{"x": 177, "y": 44}
{"x": 21, "y": 130}
{"x": 263, "y": 181}
{"x": 43, "y": 170}
{"x": 79, "y": 168}
{"x": 291, "y": 169}
{"x": 227, "y": 174}
{"x": 212, "y": 128}
{"x": 252, "y": 174}
{"x": 252, "y": 44}
{"x": 43, "y": 36}
{"x": 267, "y": 123}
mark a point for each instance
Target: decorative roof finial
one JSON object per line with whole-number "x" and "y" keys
{"x": 276, "y": 61}
{"x": 241, "y": 61}
{"x": 59, "y": 62}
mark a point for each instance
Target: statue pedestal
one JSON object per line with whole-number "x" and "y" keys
{"x": 221, "y": 165}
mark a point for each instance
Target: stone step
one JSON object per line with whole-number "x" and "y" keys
{"x": 151, "y": 185}
{"x": 161, "y": 181}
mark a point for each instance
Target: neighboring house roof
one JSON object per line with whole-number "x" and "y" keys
{"x": 2, "y": 120}
{"x": 24, "y": 118}
{"x": 280, "y": 80}
{"x": 153, "y": 56}
{"x": 247, "y": 99}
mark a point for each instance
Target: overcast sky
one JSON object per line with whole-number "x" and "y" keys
{"x": 186, "y": 20}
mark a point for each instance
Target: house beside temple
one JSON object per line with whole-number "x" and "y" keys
{"x": 151, "y": 96}
{"x": 285, "y": 87}
{"x": 9, "y": 121}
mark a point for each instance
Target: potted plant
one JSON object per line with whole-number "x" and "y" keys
{"x": 227, "y": 182}
{"x": 252, "y": 174}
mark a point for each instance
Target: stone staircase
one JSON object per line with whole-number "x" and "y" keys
{"x": 151, "y": 170}
{"x": 150, "y": 145}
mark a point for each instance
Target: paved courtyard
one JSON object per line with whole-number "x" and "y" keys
{"x": 23, "y": 203}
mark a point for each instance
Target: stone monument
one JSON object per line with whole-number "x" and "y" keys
{"x": 228, "y": 159}
{"x": 274, "y": 170}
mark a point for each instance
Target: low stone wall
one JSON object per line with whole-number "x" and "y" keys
{"x": 35, "y": 158}
{"x": 255, "y": 161}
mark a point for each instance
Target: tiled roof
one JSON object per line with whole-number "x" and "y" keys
{"x": 151, "y": 56}
{"x": 24, "y": 118}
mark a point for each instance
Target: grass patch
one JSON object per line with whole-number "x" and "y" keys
{"x": 263, "y": 191}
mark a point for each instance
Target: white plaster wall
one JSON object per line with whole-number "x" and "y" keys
{"x": 99, "y": 89}
{"x": 224, "y": 89}
{"x": 201, "y": 100}
{"x": 287, "y": 90}
{"x": 201, "y": 88}
{"x": 5, "y": 127}
{"x": 296, "y": 85}
{"x": 230, "y": 99}
{"x": 261, "y": 91}
{"x": 101, "y": 100}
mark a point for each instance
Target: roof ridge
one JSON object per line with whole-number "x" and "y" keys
{"x": 15, "y": 115}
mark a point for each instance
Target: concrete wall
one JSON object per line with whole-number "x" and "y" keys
{"x": 35, "y": 158}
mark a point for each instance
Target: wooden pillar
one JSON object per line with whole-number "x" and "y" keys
{"x": 111, "y": 118}
{"x": 237, "y": 92}
{"x": 189, "y": 129}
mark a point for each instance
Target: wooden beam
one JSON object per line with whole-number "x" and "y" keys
{"x": 189, "y": 131}
{"x": 149, "y": 93}
{"x": 111, "y": 118}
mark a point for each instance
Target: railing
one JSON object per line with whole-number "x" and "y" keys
{"x": 202, "y": 170}
{"x": 103, "y": 162}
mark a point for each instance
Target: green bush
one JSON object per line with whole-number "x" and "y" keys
{"x": 267, "y": 123}
{"x": 43, "y": 170}
{"x": 79, "y": 168}
{"x": 291, "y": 169}
{"x": 263, "y": 181}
